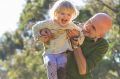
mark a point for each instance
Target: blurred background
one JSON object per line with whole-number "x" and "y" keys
{"x": 21, "y": 57}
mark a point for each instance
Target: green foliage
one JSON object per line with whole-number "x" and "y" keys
{"x": 105, "y": 70}
{"x": 83, "y": 16}
{"x": 27, "y": 65}
{"x": 34, "y": 9}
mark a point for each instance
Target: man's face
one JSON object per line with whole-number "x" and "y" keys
{"x": 64, "y": 17}
{"x": 97, "y": 26}
{"x": 91, "y": 30}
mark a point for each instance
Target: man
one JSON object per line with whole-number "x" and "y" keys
{"x": 94, "y": 46}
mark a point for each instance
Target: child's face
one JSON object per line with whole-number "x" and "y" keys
{"x": 64, "y": 17}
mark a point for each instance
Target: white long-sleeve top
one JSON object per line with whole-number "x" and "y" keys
{"x": 60, "y": 43}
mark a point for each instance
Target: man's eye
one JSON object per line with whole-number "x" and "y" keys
{"x": 93, "y": 27}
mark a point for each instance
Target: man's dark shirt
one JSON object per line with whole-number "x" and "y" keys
{"x": 93, "y": 52}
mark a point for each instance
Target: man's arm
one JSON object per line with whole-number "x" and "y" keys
{"x": 76, "y": 39}
{"x": 80, "y": 61}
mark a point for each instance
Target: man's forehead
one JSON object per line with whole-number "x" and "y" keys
{"x": 102, "y": 20}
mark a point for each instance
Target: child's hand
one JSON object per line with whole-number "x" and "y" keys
{"x": 45, "y": 34}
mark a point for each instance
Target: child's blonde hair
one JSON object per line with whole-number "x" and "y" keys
{"x": 63, "y": 4}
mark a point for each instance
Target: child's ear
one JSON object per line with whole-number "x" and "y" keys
{"x": 55, "y": 14}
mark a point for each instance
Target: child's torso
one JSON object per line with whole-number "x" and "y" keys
{"x": 59, "y": 43}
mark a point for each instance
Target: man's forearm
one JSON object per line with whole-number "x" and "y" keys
{"x": 80, "y": 60}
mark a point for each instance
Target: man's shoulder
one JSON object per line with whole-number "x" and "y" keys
{"x": 90, "y": 42}
{"x": 103, "y": 41}
{"x": 102, "y": 44}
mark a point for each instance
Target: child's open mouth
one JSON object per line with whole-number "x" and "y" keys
{"x": 64, "y": 21}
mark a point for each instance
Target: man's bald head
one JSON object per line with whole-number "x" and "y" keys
{"x": 102, "y": 22}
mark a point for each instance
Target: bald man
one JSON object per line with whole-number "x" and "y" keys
{"x": 94, "y": 46}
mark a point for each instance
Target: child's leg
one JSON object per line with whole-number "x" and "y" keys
{"x": 61, "y": 61}
{"x": 50, "y": 62}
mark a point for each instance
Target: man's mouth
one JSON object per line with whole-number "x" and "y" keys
{"x": 86, "y": 31}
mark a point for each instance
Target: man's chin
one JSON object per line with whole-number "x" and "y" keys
{"x": 86, "y": 34}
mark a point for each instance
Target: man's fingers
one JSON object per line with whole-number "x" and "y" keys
{"x": 45, "y": 31}
{"x": 72, "y": 33}
{"x": 45, "y": 38}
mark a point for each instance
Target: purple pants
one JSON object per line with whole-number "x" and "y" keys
{"x": 53, "y": 62}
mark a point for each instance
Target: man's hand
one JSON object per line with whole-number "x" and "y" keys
{"x": 46, "y": 35}
{"x": 73, "y": 33}
{"x": 73, "y": 36}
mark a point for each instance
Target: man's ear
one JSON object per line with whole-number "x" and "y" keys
{"x": 101, "y": 35}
